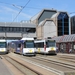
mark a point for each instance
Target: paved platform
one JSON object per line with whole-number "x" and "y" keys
{"x": 4, "y": 69}
{"x": 68, "y": 54}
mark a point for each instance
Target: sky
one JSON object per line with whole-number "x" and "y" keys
{"x": 13, "y": 11}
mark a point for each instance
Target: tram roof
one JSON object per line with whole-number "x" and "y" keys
{"x": 17, "y": 41}
{"x": 27, "y": 38}
{"x": 2, "y": 40}
{"x": 65, "y": 38}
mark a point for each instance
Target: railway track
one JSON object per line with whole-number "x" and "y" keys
{"x": 65, "y": 58}
{"x": 53, "y": 65}
{"x": 25, "y": 70}
{"x": 59, "y": 67}
{"x": 68, "y": 57}
{"x": 60, "y": 63}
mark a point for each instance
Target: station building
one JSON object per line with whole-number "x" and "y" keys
{"x": 47, "y": 23}
{"x": 51, "y": 23}
{"x": 65, "y": 43}
{"x": 17, "y": 30}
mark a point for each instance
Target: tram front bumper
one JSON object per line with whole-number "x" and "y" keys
{"x": 30, "y": 54}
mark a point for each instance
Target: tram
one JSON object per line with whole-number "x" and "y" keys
{"x": 46, "y": 46}
{"x": 25, "y": 46}
{"x": 3, "y": 46}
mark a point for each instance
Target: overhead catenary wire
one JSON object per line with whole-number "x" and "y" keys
{"x": 19, "y": 6}
{"x": 21, "y": 10}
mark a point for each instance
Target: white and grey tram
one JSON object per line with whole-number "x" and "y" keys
{"x": 3, "y": 46}
{"x": 46, "y": 46}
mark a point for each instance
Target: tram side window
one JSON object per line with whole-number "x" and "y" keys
{"x": 19, "y": 45}
{"x": 40, "y": 45}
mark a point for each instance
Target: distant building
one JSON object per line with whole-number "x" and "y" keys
{"x": 47, "y": 23}
{"x": 73, "y": 25}
{"x": 16, "y": 30}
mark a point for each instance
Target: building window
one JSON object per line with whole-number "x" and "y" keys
{"x": 23, "y": 29}
{"x": 7, "y": 29}
{"x": 30, "y": 30}
{"x": 63, "y": 24}
{"x": 1, "y": 29}
{"x": 17, "y": 29}
{"x": 11, "y": 29}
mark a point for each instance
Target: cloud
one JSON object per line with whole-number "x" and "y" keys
{"x": 13, "y": 11}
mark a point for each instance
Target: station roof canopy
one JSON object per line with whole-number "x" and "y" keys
{"x": 65, "y": 38}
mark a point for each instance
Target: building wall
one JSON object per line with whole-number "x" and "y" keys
{"x": 13, "y": 35}
{"x": 29, "y": 35}
{"x": 10, "y": 35}
{"x": 16, "y": 35}
{"x": 50, "y": 29}
{"x": 2, "y": 34}
{"x": 39, "y": 32}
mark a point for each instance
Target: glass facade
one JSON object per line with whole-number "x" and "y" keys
{"x": 63, "y": 24}
{"x": 17, "y": 29}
